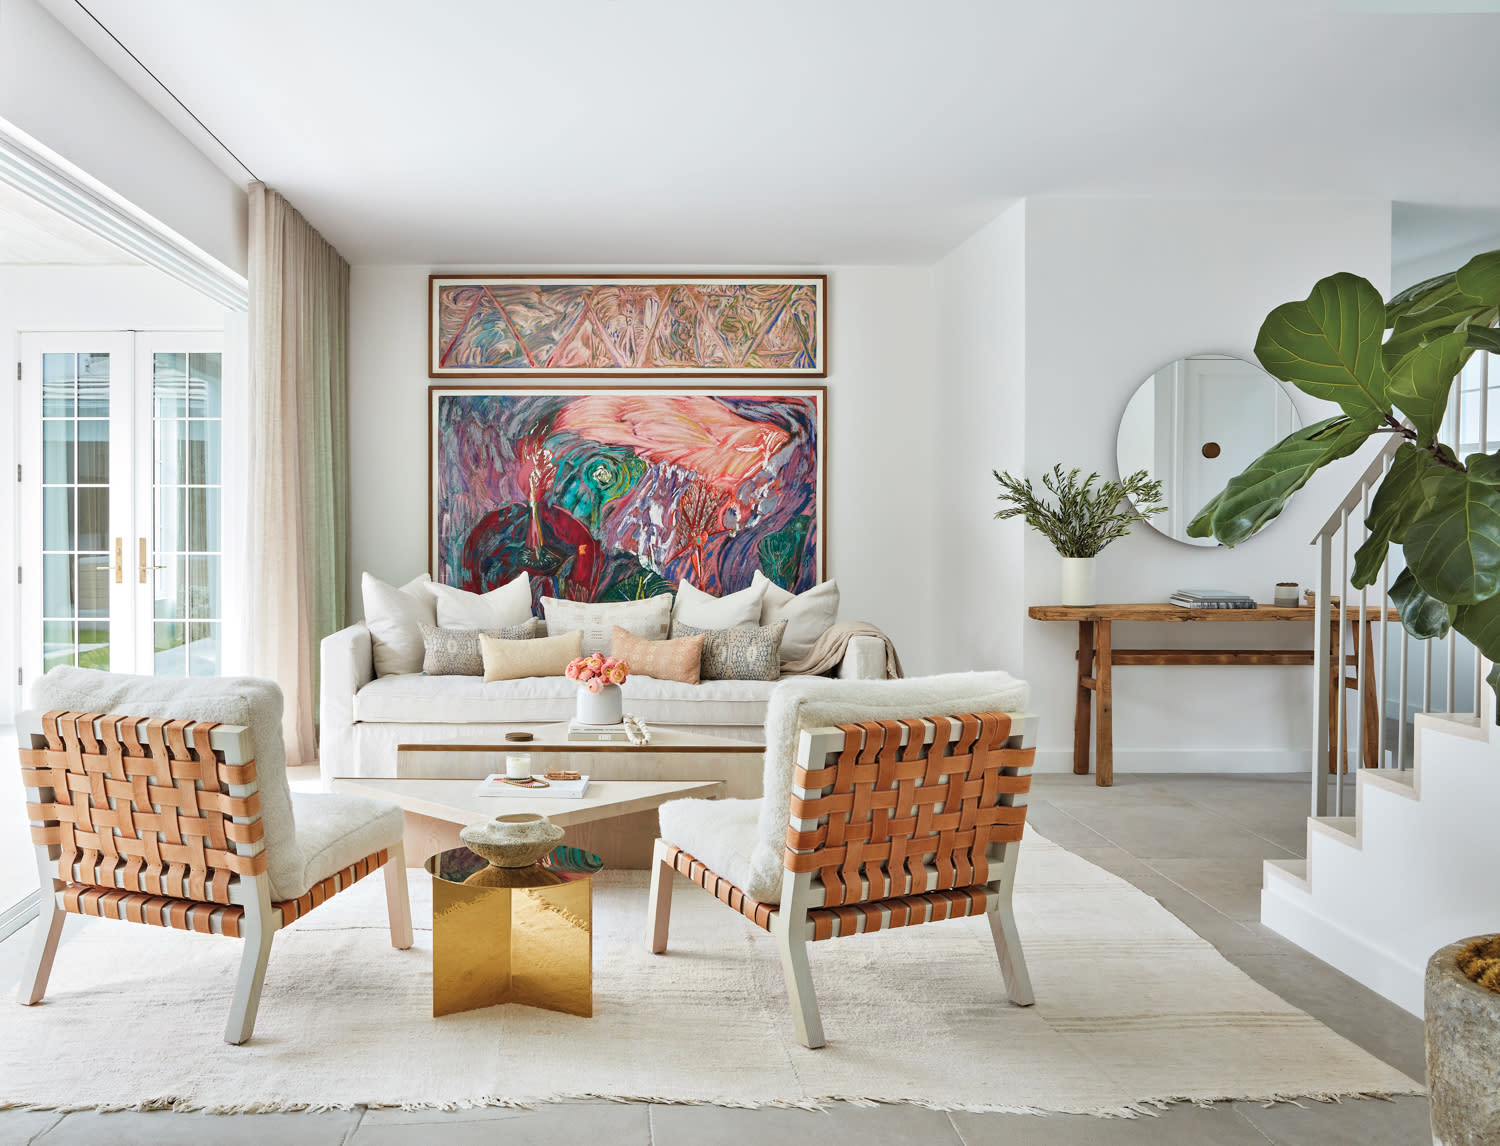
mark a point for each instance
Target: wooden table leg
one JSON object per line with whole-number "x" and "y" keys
{"x": 1084, "y": 702}
{"x": 1104, "y": 757}
{"x": 1370, "y": 703}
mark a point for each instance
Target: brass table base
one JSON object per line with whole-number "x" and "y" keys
{"x": 531, "y": 945}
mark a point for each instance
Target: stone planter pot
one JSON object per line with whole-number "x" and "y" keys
{"x": 1463, "y": 1054}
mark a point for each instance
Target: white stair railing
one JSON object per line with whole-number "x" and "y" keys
{"x": 1389, "y": 665}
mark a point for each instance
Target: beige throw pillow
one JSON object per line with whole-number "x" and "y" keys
{"x": 808, "y": 615}
{"x": 665, "y": 660}
{"x": 394, "y": 617}
{"x": 510, "y": 604}
{"x": 596, "y": 620}
{"x": 511, "y": 660}
{"x": 705, "y": 611}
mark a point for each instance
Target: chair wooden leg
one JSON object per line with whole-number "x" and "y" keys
{"x": 799, "y": 990}
{"x": 1012, "y": 958}
{"x": 659, "y": 908}
{"x": 49, "y": 925}
{"x": 397, "y": 899}
{"x": 257, "y": 939}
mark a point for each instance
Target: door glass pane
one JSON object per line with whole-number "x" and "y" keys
{"x": 76, "y": 576}
{"x": 188, "y": 404}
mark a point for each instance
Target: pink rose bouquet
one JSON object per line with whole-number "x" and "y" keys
{"x": 597, "y": 670}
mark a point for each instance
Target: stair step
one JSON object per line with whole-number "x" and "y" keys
{"x": 1342, "y": 828}
{"x": 1400, "y": 780}
{"x": 1292, "y": 871}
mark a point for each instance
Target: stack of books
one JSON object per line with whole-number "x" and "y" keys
{"x": 1211, "y": 599}
{"x": 597, "y": 732}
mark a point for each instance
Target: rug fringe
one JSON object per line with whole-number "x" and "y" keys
{"x": 1148, "y": 1108}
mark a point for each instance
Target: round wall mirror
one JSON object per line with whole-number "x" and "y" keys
{"x": 1196, "y": 423}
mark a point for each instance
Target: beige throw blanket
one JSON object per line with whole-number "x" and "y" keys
{"x": 828, "y": 650}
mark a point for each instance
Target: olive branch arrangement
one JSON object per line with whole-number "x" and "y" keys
{"x": 1086, "y": 518}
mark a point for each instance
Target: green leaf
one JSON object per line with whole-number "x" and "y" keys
{"x": 1424, "y": 616}
{"x": 1481, "y": 624}
{"x": 1329, "y": 346}
{"x": 1390, "y": 511}
{"x": 1480, "y": 277}
{"x": 1492, "y": 678}
{"x": 1422, "y": 378}
{"x": 1420, "y": 295}
{"x": 1484, "y": 338}
{"x": 1453, "y": 546}
{"x": 1254, "y": 497}
{"x": 1460, "y": 312}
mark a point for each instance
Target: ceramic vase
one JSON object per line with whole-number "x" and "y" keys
{"x": 602, "y": 707}
{"x": 1078, "y": 581}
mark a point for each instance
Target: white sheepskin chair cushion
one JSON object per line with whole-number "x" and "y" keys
{"x": 339, "y": 830}
{"x": 743, "y": 840}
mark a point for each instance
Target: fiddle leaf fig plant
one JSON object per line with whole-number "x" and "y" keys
{"x": 1390, "y": 366}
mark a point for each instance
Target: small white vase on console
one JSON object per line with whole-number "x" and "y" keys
{"x": 1078, "y": 581}
{"x": 603, "y": 707}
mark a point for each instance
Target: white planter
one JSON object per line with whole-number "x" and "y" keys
{"x": 1078, "y": 581}
{"x": 602, "y": 707}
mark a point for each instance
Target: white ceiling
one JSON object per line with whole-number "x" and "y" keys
{"x": 810, "y": 131}
{"x": 35, "y": 235}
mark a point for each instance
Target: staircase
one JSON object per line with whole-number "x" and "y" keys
{"x": 1413, "y": 869}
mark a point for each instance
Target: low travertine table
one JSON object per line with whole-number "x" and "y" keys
{"x": 617, "y": 819}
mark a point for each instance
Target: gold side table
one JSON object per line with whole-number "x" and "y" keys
{"x": 529, "y": 941}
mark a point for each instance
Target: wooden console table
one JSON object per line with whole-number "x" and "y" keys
{"x": 1097, "y": 658}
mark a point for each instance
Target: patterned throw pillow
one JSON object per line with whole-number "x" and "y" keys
{"x": 455, "y": 652}
{"x": 665, "y": 660}
{"x": 749, "y": 653}
{"x": 596, "y": 620}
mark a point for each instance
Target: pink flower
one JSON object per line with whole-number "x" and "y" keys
{"x": 572, "y": 670}
{"x": 596, "y": 685}
{"x": 617, "y": 674}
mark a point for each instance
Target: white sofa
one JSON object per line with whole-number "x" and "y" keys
{"x": 364, "y": 718}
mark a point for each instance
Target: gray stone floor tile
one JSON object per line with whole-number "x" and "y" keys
{"x": 1366, "y": 1019}
{"x": 1155, "y": 831}
{"x": 838, "y": 1125}
{"x": 164, "y": 1128}
{"x": 1230, "y": 885}
{"x": 1178, "y": 1125}
{"x": 1359, "y": 1122}
{"x": 1117, "y": 861}
{"x": 559, "y": 1124}
{"x": 1067, "y": 790}
{"x": 19, "y": 1127}
{"x": 1061, "y": 828}
{"x": 1230, "y": 936}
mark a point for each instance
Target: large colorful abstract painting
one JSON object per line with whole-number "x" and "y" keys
{"x": 510, "y": 325}
{"x": 619, "y": 494}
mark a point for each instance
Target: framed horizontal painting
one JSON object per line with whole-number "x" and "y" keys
{"x": 505, "y": 326}
{"x": 619, "y": 493}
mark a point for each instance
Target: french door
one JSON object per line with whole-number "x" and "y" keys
{"x": 121, "y": 502}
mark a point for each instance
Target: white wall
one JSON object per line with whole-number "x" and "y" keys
{"x": 70, "y": 298}
{"x": 1050, "y": 318}
{"x": 54, "y": 89}
{"x": 884, "y": 494}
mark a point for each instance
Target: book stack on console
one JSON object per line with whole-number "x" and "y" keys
{"x": 1211, "y": 599}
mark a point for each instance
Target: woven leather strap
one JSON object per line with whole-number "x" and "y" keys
{"x": 889, "y": 817}
{"x": 155, "y": 818}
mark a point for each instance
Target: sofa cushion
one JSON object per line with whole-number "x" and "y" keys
{"x": 705, "y": 611}
{"x": 596, "y": 620}
{"x": 665, "y": 660}
{"x": 455, "y": 652}
{"x": 395, "y": 618}
{"x": 747, "y": 652}
{"x": 417, "y": 699}
{"x": 808, "y": 615}
{"x": 515, "y": 660}
{"x": 500, "y": 608}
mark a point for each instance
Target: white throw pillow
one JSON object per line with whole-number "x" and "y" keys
{"x": 498, "y": 609}
{"x": 395, "y": 618}
{"x": 596, "y": 620}
{"x": 808, "y": 615}
{"x": 705, "y": 611}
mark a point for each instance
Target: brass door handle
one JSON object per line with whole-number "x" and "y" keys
{"x": 144, "y": 566}
{"x": 119, "y": 560}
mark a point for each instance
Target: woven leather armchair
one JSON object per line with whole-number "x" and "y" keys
{"x": 892, "y": 823}
{"x": 170, "y": 822}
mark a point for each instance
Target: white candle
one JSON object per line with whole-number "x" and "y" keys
{"x": 518, "y": 765}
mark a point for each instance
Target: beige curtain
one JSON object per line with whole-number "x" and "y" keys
{"x": 299, "y": 456}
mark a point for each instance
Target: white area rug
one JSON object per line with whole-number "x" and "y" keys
{"x": 1132, "y": 1009}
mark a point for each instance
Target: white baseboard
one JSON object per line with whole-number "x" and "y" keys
{"x": 1185, "y": 760}
{"x": 1286, "y": 911}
